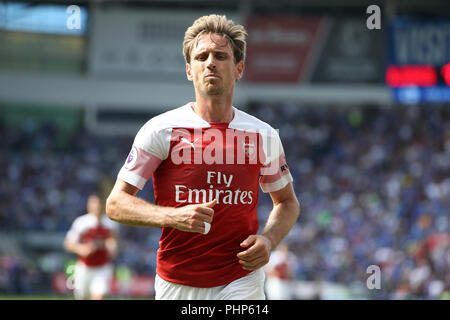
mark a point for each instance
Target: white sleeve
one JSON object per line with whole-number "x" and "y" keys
{"x": 110, "y": 224}
{"x": 154, "y": 138}
{"x": 74, "y": 232}
{"x": 150, "y": 147}
{"x": 275, "y": 174}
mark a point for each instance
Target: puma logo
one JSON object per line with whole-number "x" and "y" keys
{"x": 188, "y": 142}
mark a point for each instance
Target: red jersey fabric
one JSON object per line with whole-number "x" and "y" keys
{"x": 193, "y": 161}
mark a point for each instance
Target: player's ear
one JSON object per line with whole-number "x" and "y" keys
{"x": 239, "y": 70}
{"x": 188, "y": 72}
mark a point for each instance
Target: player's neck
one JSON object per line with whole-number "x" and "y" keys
{"x": 214, "y": 109}
{"x": 98, "y": 217}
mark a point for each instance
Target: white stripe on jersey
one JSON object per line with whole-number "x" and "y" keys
{"x": 87, "y": 221}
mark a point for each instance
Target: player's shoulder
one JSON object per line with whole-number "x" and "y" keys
{"x": 84, "y": 220}
{"x": 84, "y": 217}
{"x": 247, "y": 122}
{"x": 110, "y": 224}
{"x": 182, "y": 116}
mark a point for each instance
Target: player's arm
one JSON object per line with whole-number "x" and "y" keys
{"x": 80, "y": 249}
{"x": 282, "y": 218}
{"x": 285, "y": 212}
{"x": 125, "y": 207}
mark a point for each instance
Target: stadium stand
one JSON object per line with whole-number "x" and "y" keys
{"x": 373, "y": 183}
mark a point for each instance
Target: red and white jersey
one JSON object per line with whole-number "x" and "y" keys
{"x": 193, "y": 161}
{"x": 282, "y": 264}
{"x": 87, "y": 228}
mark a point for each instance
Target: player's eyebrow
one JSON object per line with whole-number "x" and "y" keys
{"x": 214, "y": 51}
{"x": 211, "y": 50}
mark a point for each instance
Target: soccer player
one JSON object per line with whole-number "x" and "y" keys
{"x": 207, "y": 159}
{"x": 92, "y": 237}
{"x": 280, "y": 273}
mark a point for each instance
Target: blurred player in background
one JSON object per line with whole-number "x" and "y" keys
{"x": 92, "y": 237}
{"x": 280, "y": 273}
{"x": 209, "y": 247}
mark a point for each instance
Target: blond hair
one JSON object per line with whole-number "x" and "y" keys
{"x": 220, "y": 25}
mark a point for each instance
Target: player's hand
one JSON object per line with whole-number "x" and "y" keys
{"x": 86, "y": 249}
{"x": 257, "y": 253}
{"x": 192, "y": 218}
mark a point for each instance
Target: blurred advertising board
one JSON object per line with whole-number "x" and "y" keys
{"x": 42, "y": 52}
{"x": 351, "y": 53}
{"x": 419, "y": 60}
{"x": 417, "y": 95}
{"x": 137, "y": 286}
{"x": 419, "y": 42}
{"x": 36, "y": 38}
{"x": 136, "y": 43}
{"x": 280, "y": 48}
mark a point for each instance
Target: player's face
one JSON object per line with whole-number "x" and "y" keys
{"x": 212, "y": 67}
{"x": 94, "y": 205}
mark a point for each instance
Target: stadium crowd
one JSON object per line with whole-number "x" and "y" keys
{"x": 373, "y": 183}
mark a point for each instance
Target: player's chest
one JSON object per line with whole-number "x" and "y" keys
{"x": 215, "y": 146}
{"x": 212, "y": 158}
{"x": 94, "y": 232}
